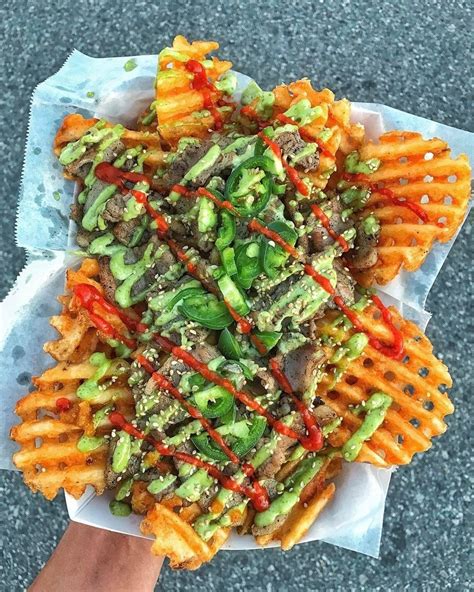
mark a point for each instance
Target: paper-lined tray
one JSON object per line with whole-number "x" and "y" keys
{"x": 118, "y": 89}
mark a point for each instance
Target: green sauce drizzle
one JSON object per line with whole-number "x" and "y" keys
{"x": 375, "y": 409}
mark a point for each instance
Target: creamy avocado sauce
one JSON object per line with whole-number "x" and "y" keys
{"x": 303, "y": 113}
{"x": 375, "y": 409}
{"x": 371, "y": 225}
{"x": 124, "y": 490}
{"x": 291, "y": 341}
{"x": 354, "y": 165}
{"x": 193, "y": 488}
{"x": 100, "y": 416}
{"x": 74, "y": 150}
{"x": 158, "y": 485}
{"x": 90, "y": 388}
{"x": 122, "y": 452}
{"x": 104, "y": 245}
{"x": 90, "y": 443}
{"x": 294, "y": 485}
{"x": 227, "y": 83}
{"x": 114, "y": 134}
{"x": 308, "y": 150}
{"x": 207, "y": 215}
{"x": 265, "y": 99}
{"x": 207, "y": 161}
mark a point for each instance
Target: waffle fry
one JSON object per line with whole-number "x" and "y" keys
{"x": 416, "y": 385}
{"x": 334, "y": 118}
{"x": 421, "y": 172}
{"x": 48, "y": 455}
{"x": 313, "y": 499}
{"x": 177, "y": 539}
{"x": 74, "y": 126}
{"x": 177, "y": 100}
{"x": 303, "y": 516}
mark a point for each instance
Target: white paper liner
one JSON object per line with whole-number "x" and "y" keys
{"x": 354, "y": 517}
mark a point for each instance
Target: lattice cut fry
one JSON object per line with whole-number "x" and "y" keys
{"x": 177, "y": 539}
{"x": 313, "y": 499}
{"x": 74, "y": 126}
{"x": 333, "y": 121}
{"x": 48, "y": 455}
{"x": 303, "y": 516}
{"x": 424, "y": 173}
{"x": 416, "y": 384}
{"x": 177, "y": 101}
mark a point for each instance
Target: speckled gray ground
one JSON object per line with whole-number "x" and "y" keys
{"x": 408, "y": 54}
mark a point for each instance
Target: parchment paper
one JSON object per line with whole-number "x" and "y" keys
{"x": 118, "y": 89}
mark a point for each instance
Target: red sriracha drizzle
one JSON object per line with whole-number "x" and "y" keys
{"x": 203, "y": 192}
{"x": 290, "y": 171}
{"x": 314, "y": 440}
{"x": 318, "y": 212}
{"x": 257, "y": 494}
{"x": 395, "y": 350}
{"x": 255, "y": 226}
{"x": 63, "y": 404}
{"x": 388, "y": 193}
{"x": 201, "y": 83}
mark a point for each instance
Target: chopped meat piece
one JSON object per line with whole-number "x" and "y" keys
{"x": 364, "y": 254}
{"x": 205, "y": 353}
{"x": 283, "y": 407}
{"x": 291, "y": 143}
{"x": 76, "y": 212}
{"x": 124, "y": 231}
{"x": 186, "y": 447}
{"x": 144, "y": 283}
{"x": 115, "y": 208}
{"x": 271, "y": 466}
{"x": 84, "y": 238}
{"x": 207, "y": 280}
{"x": 301, "y": 364}
{"x": 270, "y": 529}
{"x": 107, "y": 279}
{"x": 320, "y": 237}
{"x": 206, "y": 498}
{"x": 345, "y": 285}
{"x": 79, "y": 168}
{"x": 324, "y": 414}
{"x": 268, "y": 382}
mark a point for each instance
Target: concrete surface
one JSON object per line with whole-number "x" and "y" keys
{"x": 408, "y": 54}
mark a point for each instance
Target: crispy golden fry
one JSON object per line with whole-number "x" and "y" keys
{"x": 312, "y": 501}
{"x": 303, "y": 516}
{"x": 416, "y": 384}
{"x": 48, "y": 455}
{"x": 421, "y": 172}
{"x": 74, "y": 126}
{"x": 334, "y": 120}
{"x": 176, "y": 100}
{"x": 177, "y": 539}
